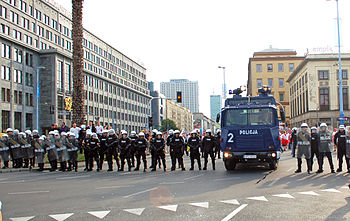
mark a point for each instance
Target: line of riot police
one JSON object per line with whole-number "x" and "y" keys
{"x": 26, "y": 148}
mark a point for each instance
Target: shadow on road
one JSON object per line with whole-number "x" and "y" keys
{"x": 340, "y": 213}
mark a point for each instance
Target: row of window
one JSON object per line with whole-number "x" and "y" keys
{"x": 17, "y": 76}
{"x": 17, "y": 97}
{"x": 269, "y": 67}
{"x": 18, "y": 55}
{"x": 5, "y": 120}
{"x": 259, "y": 82}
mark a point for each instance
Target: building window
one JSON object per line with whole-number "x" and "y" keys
{"x": 18, "y": 76}
{"x": 67, "y": 80}
{"x": 6, "y": 51}
{"x": 323, "y": 75}
{"x": 269, "y": 67}
{"x": 324, "y": 99}
{"x": 345, "y": 98}
{"x": 344, "y": 75}
{"x": 5, "y": 73}
{"x": 258, "y": 68}
{"x": 5, "y": 120}
{"x": 29, "y": 99}
{"x": 60, "y": 103}
{"x": 259, "y": 83}
{"x": 29, "y": 59}
{"x": 18, "y": 120}
{"x": 281, "y": 82}
{"x": 5, "y": 29}
{"x": 3, "y": 11}
{"x": 29, "y": 121}
{"x": 59, "y": 76}
{"x": 291, "y": 67}
{"x": 18, "y": 55}
{"x": 280, "y": 67}
{"x": 270, "y": 82}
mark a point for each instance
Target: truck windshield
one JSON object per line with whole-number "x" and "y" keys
{"x": 246, "y": 117}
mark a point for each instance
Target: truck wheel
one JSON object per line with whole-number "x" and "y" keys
{"x": 230, "y": 165}
{"x": 273, "y": 165}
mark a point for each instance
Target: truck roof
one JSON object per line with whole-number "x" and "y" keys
{"x": 261, "y": 99}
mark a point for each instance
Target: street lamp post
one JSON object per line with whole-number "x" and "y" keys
{"x": 38, "y": 95}
{"x": 224, "y": 85}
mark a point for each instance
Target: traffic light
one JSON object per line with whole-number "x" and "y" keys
{"x": 150, "y": 122}
{"x": 179, "y": 97}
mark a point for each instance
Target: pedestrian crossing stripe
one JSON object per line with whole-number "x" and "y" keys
{"x": 137, "y": 211}
{"x": 259, "y": 198}
{"x": 169, "y": 207}
{"x": 201, "y": 204}
{"x": 61, "y": 217}
{"x": 312, "y": 193}
{"x": 344, "y": 187}
{"x": 286, "y": 195}
{"x": 99, "y": 214}
{"x": 331, "y": 190}
{"x": 22, "y": 218}
{"x": 233, "y": 202}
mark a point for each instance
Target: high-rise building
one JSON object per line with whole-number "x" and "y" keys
{"x": 272, "y": 67}
{"x": 215, "y": 106}
{"x": 182, "y": 116}
{"x": 151, "y": 86}
{"x": 37, "y": 33}
{"x": 189, "y": 90}
{"x": 158, "y": 109}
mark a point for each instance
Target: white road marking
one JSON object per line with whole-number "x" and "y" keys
{"x": 273, "y": 182}
{"x": 137, "y": 211}
{"x": 286, "y": 195}
{"x": 312, "y": 193}
{"x": 110, "y": 187}
{"x": 259, "y": 198}
{"x": 17, "y": 181}
{"x": 71, "y": 177}
{"x": 4, "y": 179}
{"x": 233, "y": 202}
{"x": 331, "y": 190}
{"x": 345, "y": 187}
{"x": 170, "y": 183}
{"x": 193, "y": 177}
{"x": 144, "y": 191}
{"x": 99, "y": 214}
{"x": 234, "y": 212}
{"x": 22, "y": 218}
{"x": 61, "y": 217}
{"x": 169, "y": 207}
{"x": 120, "y": 174}
{"x": 229, "y": 178}
{"x": 290, "y": 169}
{"x": 29, "y": 192}
{"x": 201, "y": 204}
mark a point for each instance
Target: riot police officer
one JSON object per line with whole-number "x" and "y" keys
{"x": 168, "y": 139}
{"x": 217, "y": 143}
{"x": 72, "y": 149}
{"x": 340, "y": 143}
{"x": 141, "y": 146}
{"x": 348, "y": 148}
{"x": 314, "y": 146}
{"x": 158, "y": 148}
{"x": 39, "y": 145}
{"x": 113, "y": 150}
{"x": 294, "y": 141}
{"x": 5, "y": 151}
{"x": 51, "y": 150}
{"x": 93, "y": 148}
{"x": 194, "y": 143}
{"x": 151, "y": 143}
{"x": 124, "y": 146}
{"x": 208, "y": 145}
{"x": 303, "y": 147}
{"x": 29, "y": 162}
{"x": 85, "y": 146}
{"x": 325, "y": 140}
{"x": 133, "y": 139}
{"x": 104, "y": 150}
{"x": 62, "y": 151}
{"x": 177, "y": 149}
{"x": 16, "y": 149}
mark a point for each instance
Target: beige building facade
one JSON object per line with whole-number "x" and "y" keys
{"x": 314, "y": 91}
{"x": 272, "y": 67}
{"x": 182, "y": 116}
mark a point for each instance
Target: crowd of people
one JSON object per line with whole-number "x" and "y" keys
{"x": 318, "y": 143}
{"x": 61, "y": 147}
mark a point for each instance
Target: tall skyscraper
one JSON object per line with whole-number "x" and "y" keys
{"x": 189, "y": 91}
{"x": 215, "y": 106}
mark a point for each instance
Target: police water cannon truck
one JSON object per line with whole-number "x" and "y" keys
{"x": 250, "y": 129}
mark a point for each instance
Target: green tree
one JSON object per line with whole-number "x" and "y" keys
{"x": 168, "y": 124}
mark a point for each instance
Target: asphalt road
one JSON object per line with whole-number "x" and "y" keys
{"x": 248, "y": 193}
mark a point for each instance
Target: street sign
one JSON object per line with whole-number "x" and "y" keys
{"x": 342, "y": 119}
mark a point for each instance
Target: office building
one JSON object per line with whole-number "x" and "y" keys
{"x": 37, "y": 33}
{"x": 202, "y": 122}
{"x": 180, "y": 115}
{"x": 215, "y": 106}
{"x": 158, "y": 109}
{"x": 272, "y": 67}
{"x": 314, "y": 90}
{"x": 189, "y": 91}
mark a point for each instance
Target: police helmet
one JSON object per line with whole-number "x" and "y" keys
{"x": 208, "y": 131}
{"x": 42, "y": 137}
{"x": 72, "y": 134}
{"x": 28, "y": 132}
{"x": 323, "y": 125}
{"x": 304, "y": 125}
{"x": 111, "y": 131}
{"x": 342, "y": 127}
{"x": 171, "y": 132}
{"x": 16, "y": 132}
{"x": 5, "y": 136}
{"x": 9, "y": 130}
{"x": 94, "y": 135}
{"x": 141, "y": 134}
{"x": 63, "y": 134}
{"x": 194, "y": 132}
{"x": 313, "y": 128}
{"x": 154, "y": 131}
{"x": 133, "y": 133}
{"x": 159, "y": 133}
{"x": 35, "y": 132}
{"x": 124, "y": 132}
{"x": 218, "y": 131}
{"x": 105, "y": 131}
{"x": 83, "y": 126}
{"x": 176, "y": 132}
{"x": 294, "y": 128}
{"x": 22, "y": 133}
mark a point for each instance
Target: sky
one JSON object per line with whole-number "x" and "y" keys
{"x": 189, "y": 39}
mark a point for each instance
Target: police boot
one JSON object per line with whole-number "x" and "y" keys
{"x": 308, "y": 161}
{"x": 122, "y": 167}
{"x": 61, "y": 166}
{"x": 213, "y": 162}
{"x": 6, "y": 165}
{"x": 41, "y": 167}
{"x": 26, "y": 163}
{"x": 144, "y": 166}
{"x": 69, "y": 166}
{"x": 110, "y": 166}
{"x": 205, "y": 164}
{"x": 192, "y": 165}
{"x": 299, "y": 166}
{"x": 76, "y": 166}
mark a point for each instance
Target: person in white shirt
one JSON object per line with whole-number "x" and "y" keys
{"x": 75, "y": 130}
{"x": 99, "y": 128}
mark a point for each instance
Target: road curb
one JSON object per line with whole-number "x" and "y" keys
{"x": 14, "y": 170}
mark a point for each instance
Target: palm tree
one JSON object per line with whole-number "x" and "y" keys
{"x": 78, "y": 77}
